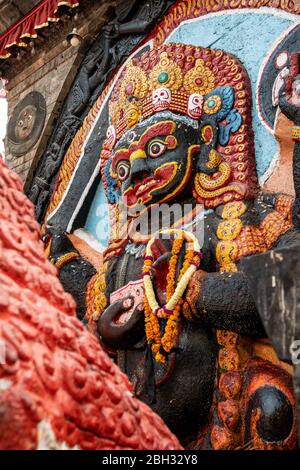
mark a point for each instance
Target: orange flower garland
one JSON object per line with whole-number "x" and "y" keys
{"x": 162, "y": 345}
{"x": 177, "y": 245}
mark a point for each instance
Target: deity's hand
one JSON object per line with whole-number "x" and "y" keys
{"x": 118, "y": 331}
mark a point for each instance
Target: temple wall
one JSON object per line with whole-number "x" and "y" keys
{"x": 50, "y": 69}
{"x": 50, "y": 76}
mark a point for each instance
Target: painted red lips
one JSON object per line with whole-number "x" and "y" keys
{"x": 141, "y": 192}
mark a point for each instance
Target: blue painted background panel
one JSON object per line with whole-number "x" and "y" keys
{"x": 97, "y": 222}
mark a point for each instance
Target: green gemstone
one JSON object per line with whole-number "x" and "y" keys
{"x": 211, "y": 103}
{"x": 163, "y": 77}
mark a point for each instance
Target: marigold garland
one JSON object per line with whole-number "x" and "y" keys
{"x": 161, "y": 345}
{"x": 96, "y": 300}
{"x": 177, "y": 245}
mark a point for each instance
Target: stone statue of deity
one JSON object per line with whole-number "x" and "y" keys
{"x": 173, "y": 307}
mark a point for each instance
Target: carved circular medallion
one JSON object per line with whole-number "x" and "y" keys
{"x": 26, "y": 123}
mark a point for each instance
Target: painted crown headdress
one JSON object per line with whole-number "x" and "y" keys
{"x": 174, "y": 77}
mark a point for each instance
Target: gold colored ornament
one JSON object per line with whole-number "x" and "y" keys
{"x": 97, "y": 300}
{"x": 209, "y": 194}
{"x": 134, "y": 83}
{"x": 210, "y": 182}
{"x": 296, "y": 133}
{"x": 226, "y": 254}
{"x": 212, "y": 105}
{"x": 89, "y": 297}
{"x": 229, "y": 229}
{"x": 200, "y": 79}
{"x": 232, "y": 210}
{"x": 166, "y": 74}
{"x": 214, "y": 159}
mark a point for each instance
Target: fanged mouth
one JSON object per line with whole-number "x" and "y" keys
{"x": 161, "y": 106}
{"x": 142, "y": 193}
{"x": 196, "y": 113}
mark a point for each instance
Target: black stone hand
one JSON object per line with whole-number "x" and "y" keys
{"x": 121, "y": 335}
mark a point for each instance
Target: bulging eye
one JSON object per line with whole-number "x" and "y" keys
{"x": 123, "y": 169}
{"x": 156, "y": 148}
{"x": 20, "y": 123}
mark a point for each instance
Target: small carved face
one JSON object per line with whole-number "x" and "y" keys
{"x": 111, "y": 137}
{"x": 161, "y": 99}
{"x": 25, "y": 122}
{"x": 132, "y": 114}
{"x": 195, "y": 105}
{"x": 157, "y": 165}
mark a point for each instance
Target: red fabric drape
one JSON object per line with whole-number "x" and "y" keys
{"x": 39, "y": 17}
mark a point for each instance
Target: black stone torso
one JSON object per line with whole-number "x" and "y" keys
{"x": 184, "y": 385}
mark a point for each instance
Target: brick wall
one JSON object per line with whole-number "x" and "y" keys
{"x": 50, "y": 72}
{"x": 51, "y": 80}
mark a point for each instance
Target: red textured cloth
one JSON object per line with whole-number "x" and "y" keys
{"x": 58, "y": 388}
{"x": 27, "y": 27}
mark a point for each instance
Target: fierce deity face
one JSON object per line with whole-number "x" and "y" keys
{"x": 178, "y": 132}
{"x": 153, "y": 162}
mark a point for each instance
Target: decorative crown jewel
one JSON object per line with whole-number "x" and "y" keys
{"x": 169, "y": 78}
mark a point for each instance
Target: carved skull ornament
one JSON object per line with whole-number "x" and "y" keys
{"x": 161, "y": 99}
{"x": 195, "y": 105}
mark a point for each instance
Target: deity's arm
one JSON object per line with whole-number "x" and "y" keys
{"x": 224, "y": 301}
{"x": 289, "y": 239}
{"x": 75, "y": 271}
{"x": 75, "y": 277}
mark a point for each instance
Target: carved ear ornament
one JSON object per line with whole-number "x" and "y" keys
{"x": 219, "y": 105}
